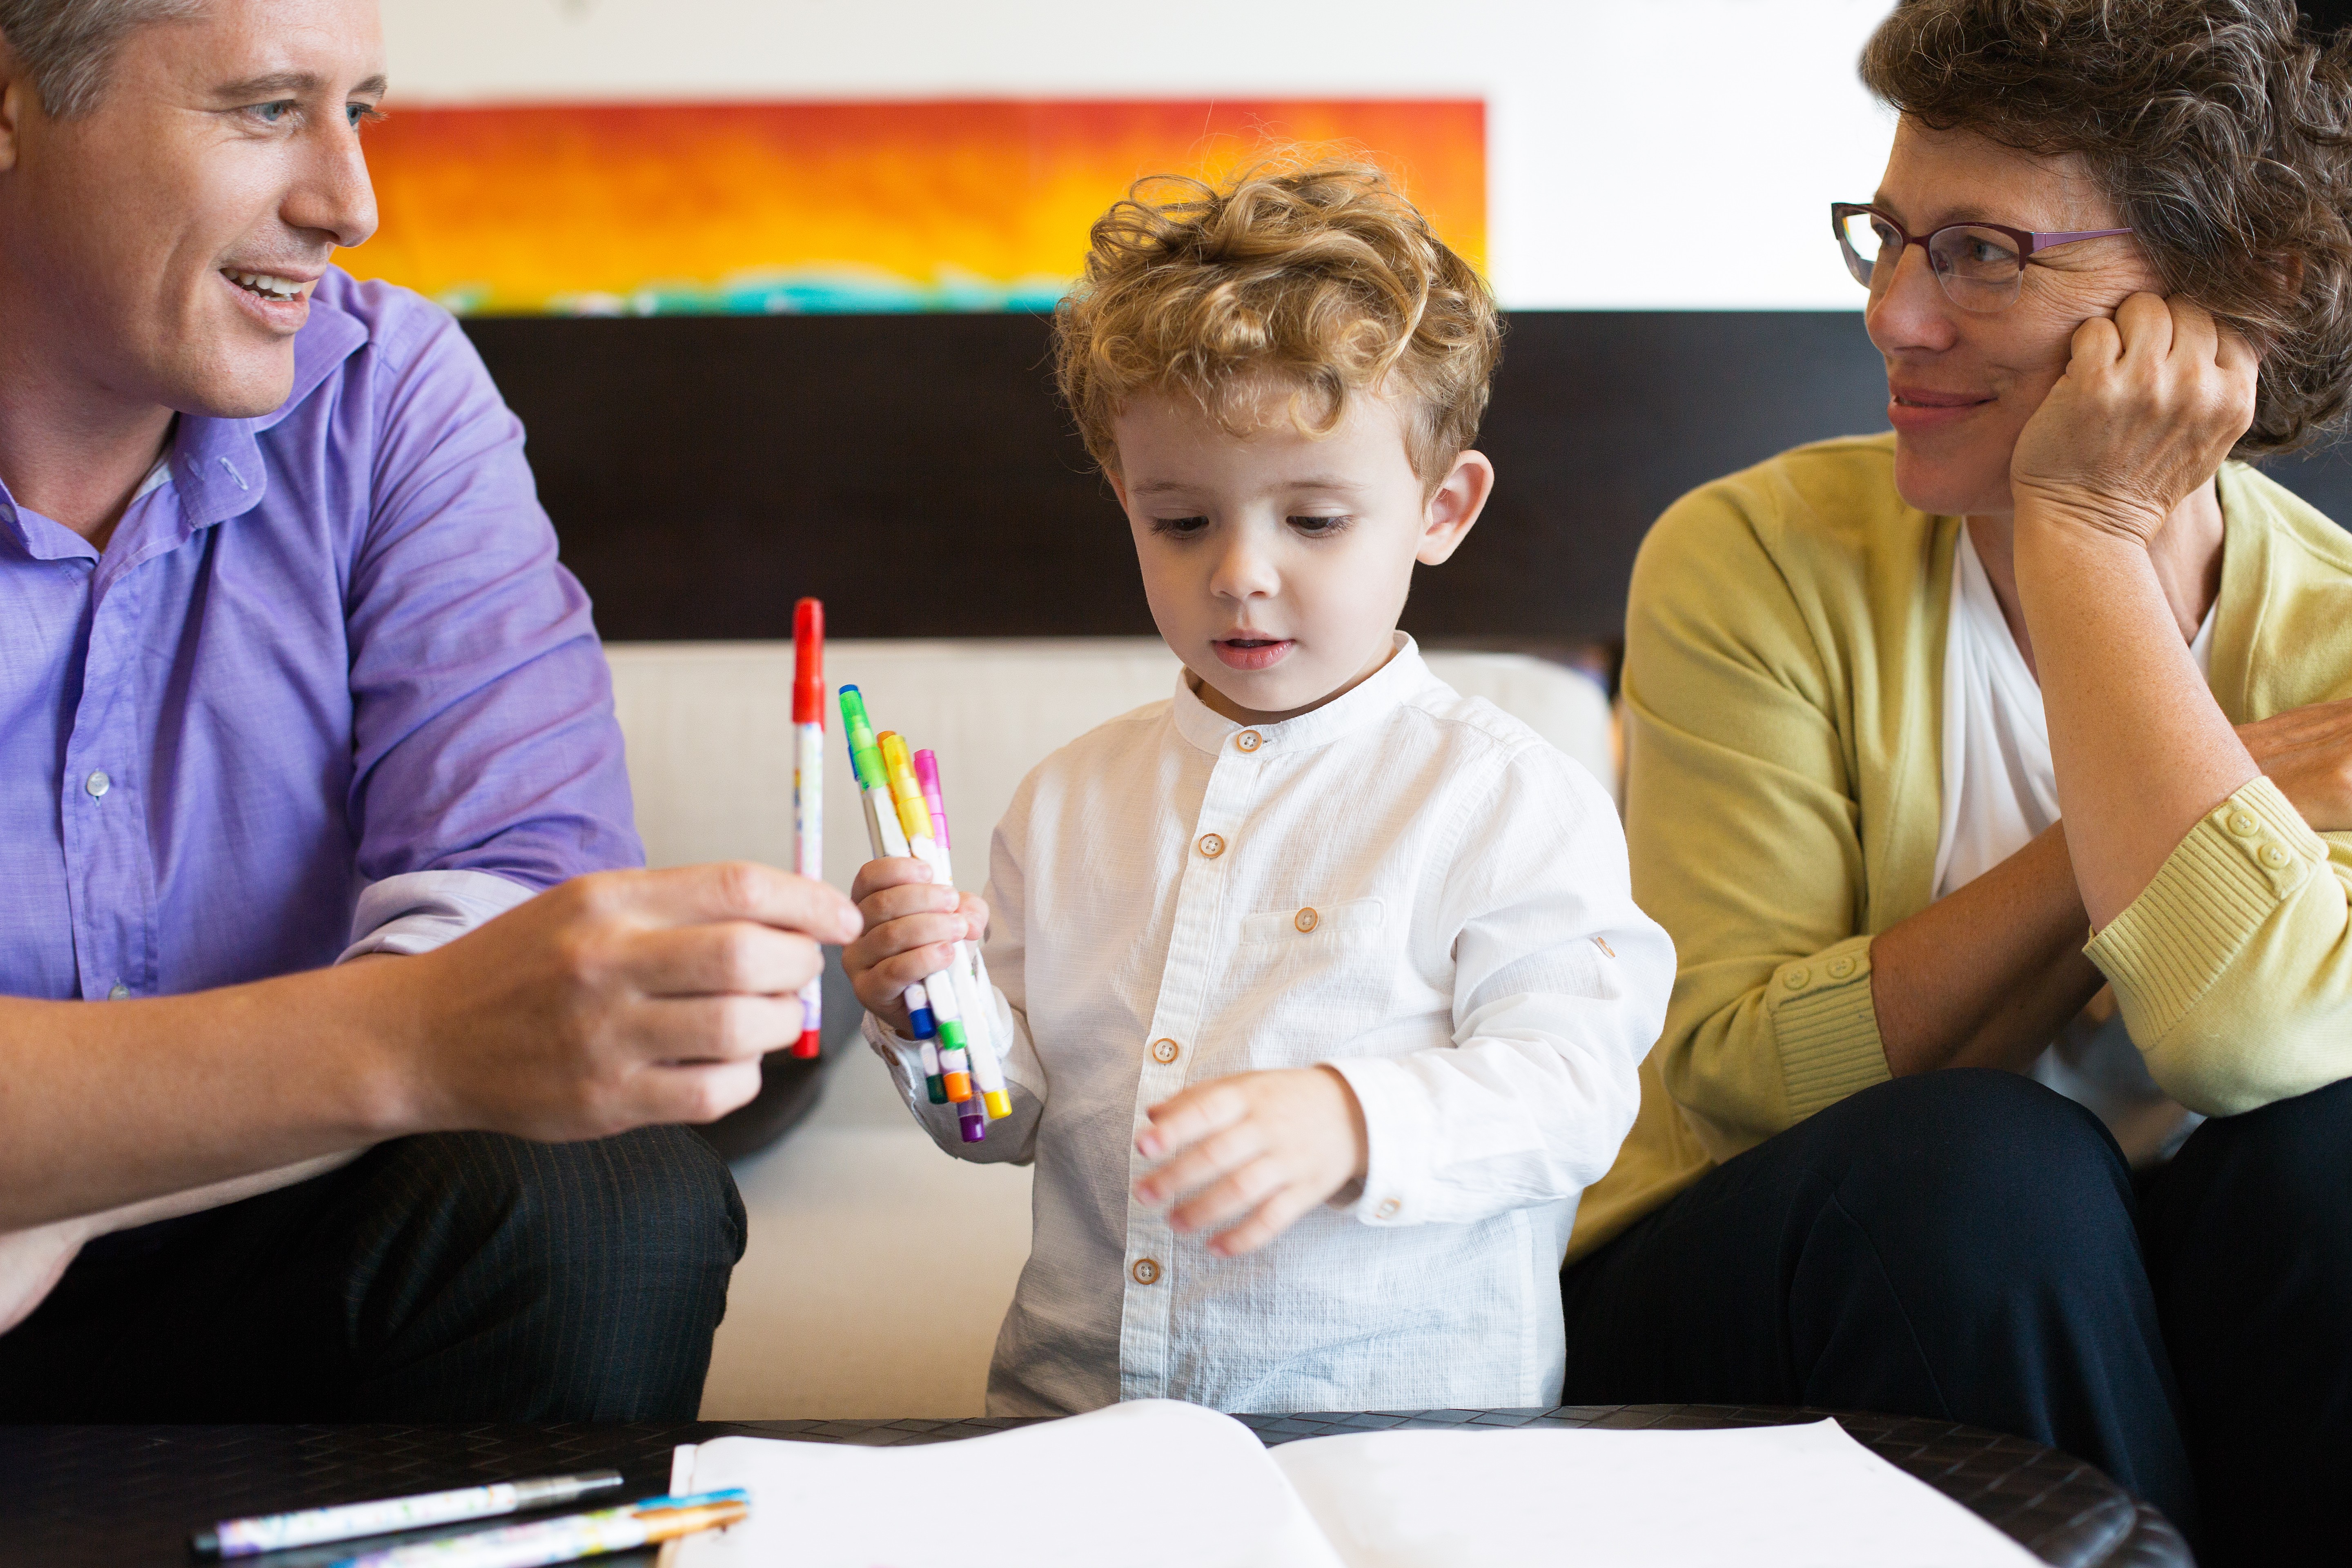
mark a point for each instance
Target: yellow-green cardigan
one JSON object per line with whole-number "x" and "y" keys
{"x": 1784, "y": 654}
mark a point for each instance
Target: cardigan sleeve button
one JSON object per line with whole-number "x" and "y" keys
{"x": 2244, "y": 824}
{"x": 2276, "y": 858}
{"x": 1797, "y": 979}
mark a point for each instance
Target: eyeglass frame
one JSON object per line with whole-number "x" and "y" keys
{"x": 2029, "y": 243}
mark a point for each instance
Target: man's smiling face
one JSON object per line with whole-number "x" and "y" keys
{"x": 172, "y": 235}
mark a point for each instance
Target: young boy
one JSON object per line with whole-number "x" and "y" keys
{"x": 1322, "y": 988}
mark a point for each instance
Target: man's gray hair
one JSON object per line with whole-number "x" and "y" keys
{"x": 66, "y": 46}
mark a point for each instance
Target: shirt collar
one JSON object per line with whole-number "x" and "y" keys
{"x": 1372, "y": 699}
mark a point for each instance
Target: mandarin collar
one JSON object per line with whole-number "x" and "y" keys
{"x": 1373, "y": 698}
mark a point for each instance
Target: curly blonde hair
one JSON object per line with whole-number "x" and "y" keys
{"x": 1317, "y": 274}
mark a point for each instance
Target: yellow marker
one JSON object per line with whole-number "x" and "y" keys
{"x": 979, "y": 1005}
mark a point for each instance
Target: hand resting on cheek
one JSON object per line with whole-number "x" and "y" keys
{"x": 1259, "y": 1148}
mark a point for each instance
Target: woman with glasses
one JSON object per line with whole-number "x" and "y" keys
{"x": 2016, "y": 743}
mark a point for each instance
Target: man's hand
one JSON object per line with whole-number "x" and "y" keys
{"x": 911, "y": 930}
{"x": 2150, "y": 405}
{"x": 1260, "y": 1147}
{"x": 617, "y": 1000}
{"x": 2307, "y": 753}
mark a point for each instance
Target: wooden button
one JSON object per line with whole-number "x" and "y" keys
{"x": 1248, "y": 741}
{"x": 1165, "y": 1051}
{"x": 1211, "y": 845}
{"x": 1146, "y": 1271}
{"x": 1305, "y": 919}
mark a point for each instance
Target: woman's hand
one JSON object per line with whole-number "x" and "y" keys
{"x": 1261, "y": 1148}
{"x": 2150, "y": 405}
{"x": 2307, "y": 753}
{"x": 911, "y": 930}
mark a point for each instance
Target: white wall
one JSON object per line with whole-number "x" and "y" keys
{"x": 1642, "y": 153}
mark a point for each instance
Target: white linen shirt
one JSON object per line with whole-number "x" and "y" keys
{"x": 1406, "y": 884}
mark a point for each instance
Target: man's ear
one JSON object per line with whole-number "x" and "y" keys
{"x": 1453, "y": 507}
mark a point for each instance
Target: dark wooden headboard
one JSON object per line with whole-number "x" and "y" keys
{"x": 916, "y": 474}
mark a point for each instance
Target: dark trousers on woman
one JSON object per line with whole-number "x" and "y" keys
{"x": 1970, "y": 1246}
{"x": 464, "y": 1277}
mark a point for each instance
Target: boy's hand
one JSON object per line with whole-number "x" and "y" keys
{"x": 1265, "y": 1145}
{"x": 910, "y": 930}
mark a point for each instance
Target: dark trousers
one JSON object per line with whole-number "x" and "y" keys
{"x": 1969, "y": 1246}
{"x": 464, "y": 1277}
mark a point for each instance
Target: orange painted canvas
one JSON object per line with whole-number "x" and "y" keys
{"x": 982, "y": 205}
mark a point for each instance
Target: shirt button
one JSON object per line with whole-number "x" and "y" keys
{"x": 1388, "y": 1209}
{"x": 2244, "y": 824}
{"x": 2276, "y": 858}
{"x": 1248, "y": 741}
{"x": 1146, "y": 1271}
{"x": 1796, "y": 978}
{"x": 117, "y": 992}
{"x": 1211, "y": 845}
{"x": 97, "y": 784}
{"x": 1305, "y": 919}
{"x": 1840, "y": 967}
{"x": 1164, "y": 1051}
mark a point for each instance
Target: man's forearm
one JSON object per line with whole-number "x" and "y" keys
{"x": 112, "y": 1103}
{"x": 1987, "y": 975}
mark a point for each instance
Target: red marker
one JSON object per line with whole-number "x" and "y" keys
{"x": 808, "y": 788}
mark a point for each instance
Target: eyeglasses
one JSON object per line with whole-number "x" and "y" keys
{"x": 1979, "y": 266}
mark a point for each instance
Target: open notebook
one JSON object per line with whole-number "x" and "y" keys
{"x": 1157, "y": 1484}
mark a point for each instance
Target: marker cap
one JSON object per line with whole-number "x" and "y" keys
{"x": 808, "y": 662}
{"x": 863, "y": 760}
{"x": 974, "y": 1123}
{"x": 926, "y": 773}
{"x": 999, "y": 1105}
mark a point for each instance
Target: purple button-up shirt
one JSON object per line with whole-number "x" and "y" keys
{"x": 326, "y": 679}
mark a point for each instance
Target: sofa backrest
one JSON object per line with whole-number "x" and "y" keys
{"x": 710, "y": 738}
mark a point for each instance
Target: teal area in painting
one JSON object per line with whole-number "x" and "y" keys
{"x": 804, "y": 292}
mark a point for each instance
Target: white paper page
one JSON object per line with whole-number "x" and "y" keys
{"x": 1761, "y": 1496}
{"x": 1154, "y": 1484}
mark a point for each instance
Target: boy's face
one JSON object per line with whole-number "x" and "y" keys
{"x": 1276, "y": 564}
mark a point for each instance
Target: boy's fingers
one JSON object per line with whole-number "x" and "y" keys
{"x": 974, "y": 909}
{"x": 897, "y": 871}
{"x": 911, "y": 901}
{"x": 1274, "y": 1216}
{"x": 1227, "y": 1149}
{"x": 893, "y": 974}
{"x": 1189, "y": 1117}
{"x": 1241, "y": 1191}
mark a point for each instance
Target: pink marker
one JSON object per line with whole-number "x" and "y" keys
{"x": 926, "y": 773}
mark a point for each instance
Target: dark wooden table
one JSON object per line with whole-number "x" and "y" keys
{"x": 127, "y": 1497}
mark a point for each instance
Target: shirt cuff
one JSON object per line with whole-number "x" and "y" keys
{"x": 1400, "y": 1134}
{"x": 2222, "y": 881}
{"x": 1826, "y": 1027}
{"x": 417, "y": 911}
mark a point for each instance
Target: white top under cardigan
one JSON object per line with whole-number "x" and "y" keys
{"x": 2000, "y": 790}
{"x": 1474, "y": 965}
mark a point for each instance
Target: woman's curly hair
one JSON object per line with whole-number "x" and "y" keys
{"x": 1317, "y": 274}
{"x": 2221, "y": 132}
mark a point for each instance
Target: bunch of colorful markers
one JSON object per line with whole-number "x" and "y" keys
{"x": 953, "y": 1012}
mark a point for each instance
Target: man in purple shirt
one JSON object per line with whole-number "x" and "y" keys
{"x": 316, "y": 904}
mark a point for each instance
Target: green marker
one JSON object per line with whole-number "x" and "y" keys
{"x": 883, "y": 832}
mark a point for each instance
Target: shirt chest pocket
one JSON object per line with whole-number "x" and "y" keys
{"x": 1315, "y": 926}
